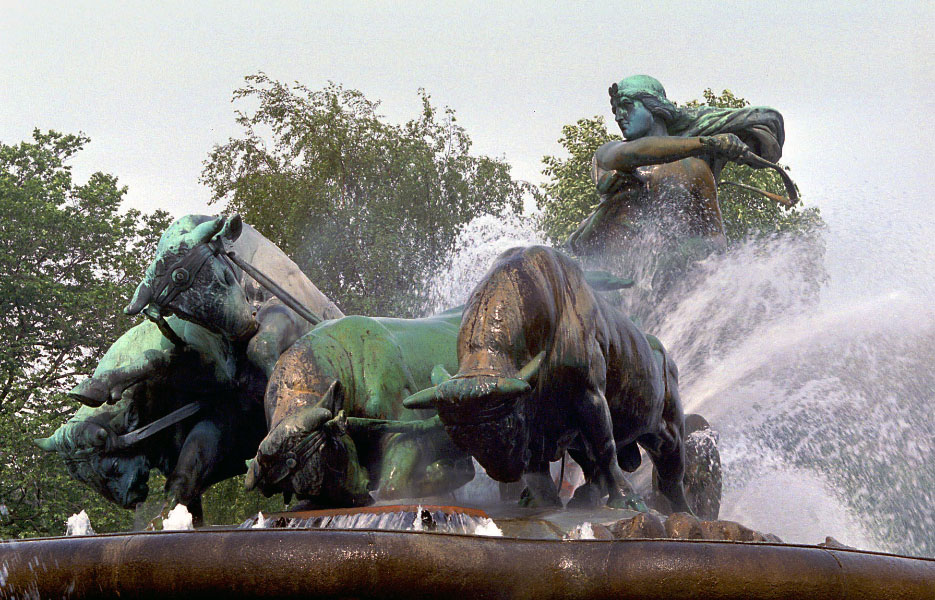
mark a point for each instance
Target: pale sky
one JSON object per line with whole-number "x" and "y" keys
{"x": 151, "y": 84}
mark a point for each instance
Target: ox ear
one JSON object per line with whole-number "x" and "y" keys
{"x": 440, "y": 374}
{"x": 333, "y": 399}
{"x": 208, "y": 229}
{"x": 142, "y": 297}
{"x": 253, "y": 475}
{"x": 232, "y": 229}
{"x": 47, "y": 444}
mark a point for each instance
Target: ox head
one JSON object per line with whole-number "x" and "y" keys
{"x": 306, "y": 454}
{"x": 485, "y": 415}
{"x": 192, "y": 278}
{"x": 87, "y": 445}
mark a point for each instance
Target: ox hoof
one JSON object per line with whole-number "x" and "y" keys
{"x": 587, "y": 495}
{"x": 529, "y": 500}
{"x": 629, "y": 502}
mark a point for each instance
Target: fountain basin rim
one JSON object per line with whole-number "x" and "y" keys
{"x": 214, "y": 529}
{"x": 285, "y": 563}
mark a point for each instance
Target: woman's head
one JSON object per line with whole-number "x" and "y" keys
{"x": 636, "y": 101}
{"x": 638, "y": 98}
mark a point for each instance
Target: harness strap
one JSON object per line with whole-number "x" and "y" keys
{"x": 176, "y": 416}
{"x": 275, "y": 290}
{"x": 156, "y": 317}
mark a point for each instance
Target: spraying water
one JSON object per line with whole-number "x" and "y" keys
{"x": 79, "y": 524}
{"x": 178, "y": 519}
{"x": 822, "y": 398}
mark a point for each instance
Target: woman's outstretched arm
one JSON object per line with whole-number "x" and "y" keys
{"x": 654, "y": 150}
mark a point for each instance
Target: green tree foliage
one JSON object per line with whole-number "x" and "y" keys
{"x": 367, "y": 208}
{"x": 569, "y": 195}
{"x": 68, "y": 263}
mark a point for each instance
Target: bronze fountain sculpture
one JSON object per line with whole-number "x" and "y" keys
{"x": 546, "y": 365}
{"x": 542, "y": 365}
{"x": 667, "y": 168}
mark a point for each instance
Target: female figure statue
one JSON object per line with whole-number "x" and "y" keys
{"x": 665, "y": 172}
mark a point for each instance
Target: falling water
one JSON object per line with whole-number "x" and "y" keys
{"x": 823, "y": 398}
{"x": 401, "y": 518}
{"x": 482, "y": 240}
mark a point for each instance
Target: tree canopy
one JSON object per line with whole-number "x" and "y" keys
{"x": 69, "y": 260}
{"x": 367, "y": 208}
{"x": 570, "y": 196}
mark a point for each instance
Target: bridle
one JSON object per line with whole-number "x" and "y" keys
{"x": 166, "y": 288}
{"x": 180, "y": 276}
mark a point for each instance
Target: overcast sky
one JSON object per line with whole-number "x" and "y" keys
{"x": 152, "y": 86}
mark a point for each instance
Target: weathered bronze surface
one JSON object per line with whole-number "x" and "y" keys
{"x": 217, "y": 347}
{"x": 592, "y": 384}
{"x": 145, "y": 378}
{"x": 373, "y": 564}
{"x": 665, "y": 173}
{"x": 337, "y": 425}
{"x": 189, "y": 279}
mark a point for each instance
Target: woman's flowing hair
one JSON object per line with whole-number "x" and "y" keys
{"x": 759, "y": 127}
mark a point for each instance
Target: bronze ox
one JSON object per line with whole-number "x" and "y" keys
{"x": 545, "y": 366}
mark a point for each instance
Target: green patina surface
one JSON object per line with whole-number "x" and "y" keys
{"x": 378, "y": 362}
{"x": 142, "y": 377}
{"x": 381, "y": 360}
{"x": 142, "y": 348}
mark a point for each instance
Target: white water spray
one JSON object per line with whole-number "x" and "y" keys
{"x": 178, "y": 519}
{"x": 480, "y": 241}
{"x": 79, "y": 524}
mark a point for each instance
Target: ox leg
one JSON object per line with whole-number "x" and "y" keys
{"x": 423, "y": 464}
{"x": 540, "y": 490}
{"x": 597, "y": 432}
{"x": 590, "y": 493}
{"x": 667, "y": 451}
{"x": 448, "y": 467}
{"x": 399, "y": 465}
{"x": 198, "y": 457}
{"x": 279, "y": 329}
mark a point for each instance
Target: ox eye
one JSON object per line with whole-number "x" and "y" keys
{"x": 180, "y": 276}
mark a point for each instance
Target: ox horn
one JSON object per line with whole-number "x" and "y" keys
{"x": 421, "y": 399}
{"x": 90, "y": 392}
{"x": 208, "y": 229}
{"x": 253, "y": 475}
{"x": 605, "y": 281}
{"x": 47, "y": 444}
{"x": 509, "y": 386}
{"x": 141, "y": 297}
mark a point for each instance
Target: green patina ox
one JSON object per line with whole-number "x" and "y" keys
{"x": 338, "y": 429}
{"x": 178, "y": 410}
